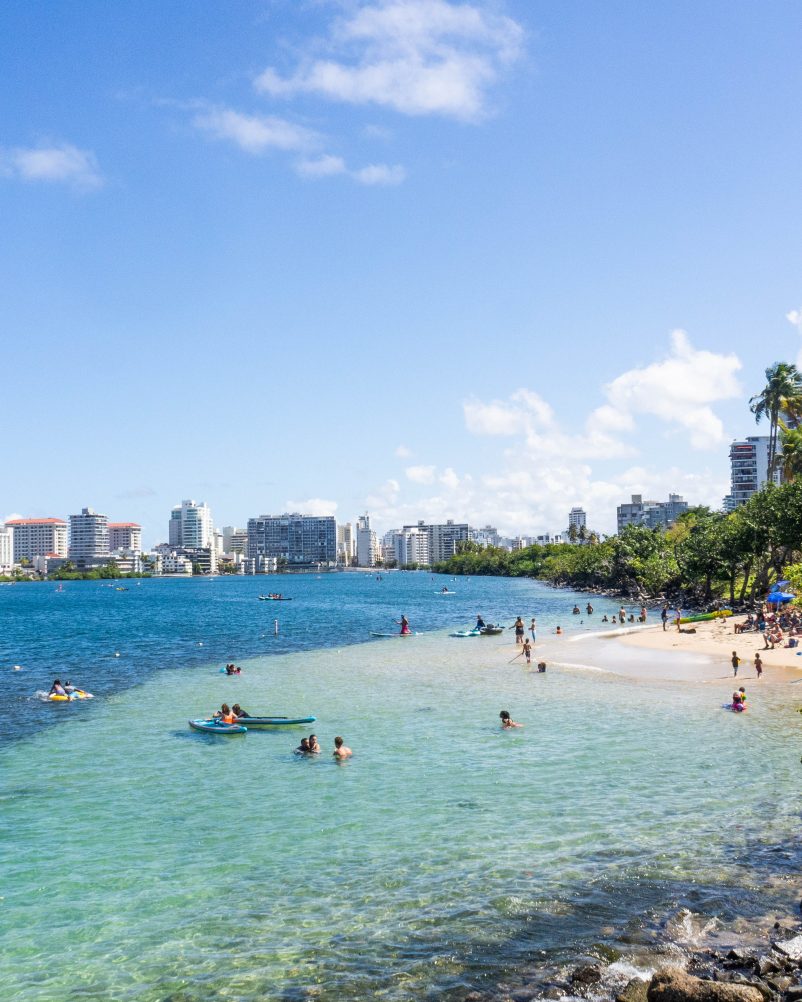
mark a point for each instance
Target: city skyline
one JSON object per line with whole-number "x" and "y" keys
{"x": 422, "y": 294}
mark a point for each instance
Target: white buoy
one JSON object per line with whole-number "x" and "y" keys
{"x": 17, "y": 668}
{"x": 116, "y": 654}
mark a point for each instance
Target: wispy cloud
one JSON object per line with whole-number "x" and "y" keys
{"x": 313, "y": 506}
{"x": 255, "y": 134}
{"x": 330, "y": 166}
{"x": 419, "y": 57}
{"x": 59, "y": 163}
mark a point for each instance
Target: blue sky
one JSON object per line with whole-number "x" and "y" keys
{"x": 422, "y": 257}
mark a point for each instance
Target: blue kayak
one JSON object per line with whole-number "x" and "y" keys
{"x": 217, "y": 727}
{"x": 276, "y": 721}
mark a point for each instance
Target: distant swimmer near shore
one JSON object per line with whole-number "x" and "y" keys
{"x": 506, "y": 720}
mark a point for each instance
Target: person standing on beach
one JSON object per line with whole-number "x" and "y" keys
{"x": 735, "y": 661}
{"x": 678, "y": 619}
{"x": 664, "y": 617}
{"x": 758, "y": 665}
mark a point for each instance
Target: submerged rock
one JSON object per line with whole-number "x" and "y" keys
{"x": 589, "y": 974}
{"x": 676, "y": 986}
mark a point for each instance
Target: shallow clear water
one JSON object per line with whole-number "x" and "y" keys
{"x": 143, "y": 861}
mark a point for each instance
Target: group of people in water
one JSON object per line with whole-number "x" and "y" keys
{"x": 311, "y": 746}
{"x": 233, "y": 670}
{"x": 738, "y": 704}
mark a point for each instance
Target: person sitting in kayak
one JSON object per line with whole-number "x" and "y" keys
{"x": 224, "y": 715}
{"x": 57, "y": 689}
{"x": 480, "y": 623}
{"x": 403, "y": 622}
{"x": 314, "y": 744}
{"x": 238, "y": 712}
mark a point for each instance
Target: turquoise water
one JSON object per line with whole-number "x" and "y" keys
{"x": 143, "y": 861}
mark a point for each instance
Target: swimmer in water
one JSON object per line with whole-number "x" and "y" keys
{"x": 341, "y": 750}
{"x": 506, "y": 720}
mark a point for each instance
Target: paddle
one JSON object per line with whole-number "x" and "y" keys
{"x": 516, "y": 657}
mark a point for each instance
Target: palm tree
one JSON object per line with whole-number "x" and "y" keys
{"x": 782, "y": 394}
{"x": 790, "y": 454}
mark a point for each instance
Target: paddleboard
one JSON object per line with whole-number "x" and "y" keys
{"x": 413, "y": 634}
{"x": 216, "y": 727}
{"x": 445, "y": 593}
{"x": 466, "y": 633}
{"x": 275, "y": 721}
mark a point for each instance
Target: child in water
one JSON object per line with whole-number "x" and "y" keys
{"x": 506, "y": 720}
{"x": 528, "y": 651}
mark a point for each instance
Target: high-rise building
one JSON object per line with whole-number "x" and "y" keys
{"x": 367, "y": 547}
{"x": 346, "y": 544}
{"x": 298, "y": 539}
{"x": 38, "y": 537}
{"x": 191, "y": 525}
{"x": 488, "y": 535}
{"x": 749, "y": 469}
{"x": 411, "y": 546}
{"x": 651, "y": 513}
{"x": 235, "y": 540}
{"x": 444, "y": 539}
{"x": 89, "y": 538}
{"x": 125, "y": 536}
{"x": 577, "y": 518}
{"x": 6, "y": 549}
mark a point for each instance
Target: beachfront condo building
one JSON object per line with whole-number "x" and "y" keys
{"x": 191, "y": 525}
{"x": 38, "y": 537}
{"x": 367, "y": 545}
{"x": 444, "y": 538}
{"x": 652, "y": 514}
{"x": 577, "y": 518}
{"x": 749, "y": 469}
{"x": 6, "y": 549}
{"x": 294, "y": 539}
{"x": 89, "y": 538}
{"x": 411, "y": 546}
{"x": 346, "y": 544}
{"x": 125, "y": 536}
{"x": 235, "y": 540}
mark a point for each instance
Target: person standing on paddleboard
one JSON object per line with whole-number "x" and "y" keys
{"x": 403, "y": 622}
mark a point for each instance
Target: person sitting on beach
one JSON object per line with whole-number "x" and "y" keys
{"x": 314, "y": 744}
{"x": 341, "y": 750}
{"x": 238, "y": 712}
{"x": 303, "y": 748}
{"x": 57, "y": 689}
{"x": 506, "y": 720}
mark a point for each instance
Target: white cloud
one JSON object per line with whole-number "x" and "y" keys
{"x": 546, "y": 469}
{"x": 330, "y": 166}
{"x": 325, "y": 166}
{"x": 795, "y": 317}
{"x": 420, "y": 474}
{"x": 255, "y": 133}
{"x": 403, "y": 452}
{"x": 60, "y": 163}
{"x": 419, "y": 57}
{"x": 312, "y": 506}
{"x": 380, "y": 174}
{"x": 679, "y": 390}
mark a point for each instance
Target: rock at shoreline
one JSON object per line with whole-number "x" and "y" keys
{"x": 636, "y": 990}
{"x": 590, "y": 974}
{"x": 676, "y": 986}
{"x": 792, "y": 948}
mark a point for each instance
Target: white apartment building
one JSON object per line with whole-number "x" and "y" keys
{"x": 129, "y": 561}
{"x": 749, "y": 469}
{"x": 346, "y": 544}
{"x": 125, "y": 536}
{"x": 191, "y": 525}
{"x": 577, "y": 518}
{"x": 6, "y": 549}
{"x": 38, "y": 537}
{"x": 444, "y": 538}
{"x": 89, "y": 538}
{"x": 367, "y": 548}
{"x": 173, "y": 563}
{"x": 411, "y": 546}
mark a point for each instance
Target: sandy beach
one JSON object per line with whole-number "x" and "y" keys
{"x": 716, "y": 641}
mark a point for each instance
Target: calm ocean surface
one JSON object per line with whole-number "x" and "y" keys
{"x": 142, "y": 861}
